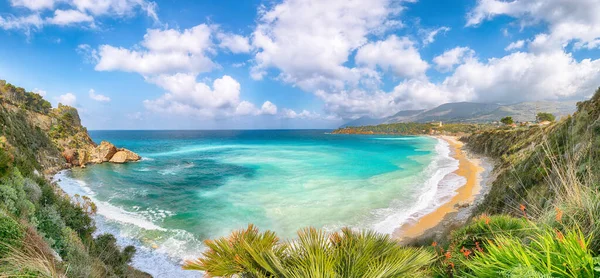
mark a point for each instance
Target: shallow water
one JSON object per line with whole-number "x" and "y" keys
{"x": 196, "y": 185}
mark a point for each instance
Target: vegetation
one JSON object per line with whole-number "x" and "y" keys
{"x": 23, "y": 99}
{"x": 542, "y": 116}
{"x": 250, "y": 253}
{"x": 415, "y": 129}
{"x": 44, "y": 232}
{"x": 508, "y": 120}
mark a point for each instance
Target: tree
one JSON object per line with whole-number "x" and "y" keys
{"x": 250, "y": 253}
{"x": 542, "y": 116}
{"x": 507, "y": 120}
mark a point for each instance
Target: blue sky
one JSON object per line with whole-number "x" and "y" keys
{"x": 139, "y": 64}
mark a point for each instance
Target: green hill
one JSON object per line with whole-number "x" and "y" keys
{"x": 44, "y": 232}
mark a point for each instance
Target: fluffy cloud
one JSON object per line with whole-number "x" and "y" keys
{"x": 186, "y": 96}
{"x": 525, "y": 76}
{"x": 173, "y": 59}
{"x": 395, "y": 54}
{"x": 429, "y": 36}
{"x": 166, "y": 51}
{"x": 25, "y": 23}
{"x": 98, "y": 97}
{"x": 67, "y": 99}
{"x": 72, "y": 12}
{"x": 409, "y": 94}
{"x": 447, "y": 60}
{"x": 515, "y": 45}
{"x": 33, "y": 4}
{"x": 234, "y": 43}
{"x": 309, "y": 41}
{"x": 567, "y": 20}
{"x": 68, "y": 17}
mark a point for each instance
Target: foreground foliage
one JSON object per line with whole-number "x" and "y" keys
{"x": 315, "y": 253}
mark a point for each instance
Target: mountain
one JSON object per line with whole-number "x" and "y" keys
{"x": 472, "y": 112}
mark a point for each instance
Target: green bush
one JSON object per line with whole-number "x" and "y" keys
{"x": 51, "y": 226}
{"x": 485, "y": 228}
{"x": 250, "y": 253}
{"x": 106, "y": 249}
{"x": 13, "y": 197}
{"x": 550, "y": 253}
{"x": 11, "y": 233}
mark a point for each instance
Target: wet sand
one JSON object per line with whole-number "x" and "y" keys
{"x": 470, "y": 169}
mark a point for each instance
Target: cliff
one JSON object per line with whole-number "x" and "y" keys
{"x": 43, "y": 231}
{"x": 526, "y": 156}
{"x": 54, "y": 136}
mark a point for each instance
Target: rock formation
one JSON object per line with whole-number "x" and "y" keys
{"x": 105, "y": 152}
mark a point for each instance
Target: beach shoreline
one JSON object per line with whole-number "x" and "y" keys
{"x": 457, "y": 210}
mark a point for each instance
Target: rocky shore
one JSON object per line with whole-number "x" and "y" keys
{"x": 105, "y": 152}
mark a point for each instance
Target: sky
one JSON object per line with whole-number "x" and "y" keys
{"x": 263, "y": 64}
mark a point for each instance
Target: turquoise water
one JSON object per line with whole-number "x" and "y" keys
{"x": 196, "y": 185}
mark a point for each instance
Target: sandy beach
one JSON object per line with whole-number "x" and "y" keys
{"x": 470, "y": 168}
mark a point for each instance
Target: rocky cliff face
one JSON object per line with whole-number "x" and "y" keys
{"x": 54, "y": 136}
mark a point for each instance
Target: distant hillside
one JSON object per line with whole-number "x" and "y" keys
{"x": 472, "y": 112}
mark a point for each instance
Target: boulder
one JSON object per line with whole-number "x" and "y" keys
{"x": 124, "y": 155}
{"x": 104, "y": 152}
{"x": 119, "y": 157}
{"x": 131, "y": 156}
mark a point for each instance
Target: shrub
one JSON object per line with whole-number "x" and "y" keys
{"x": 250, "y": 253}
{"x": 485, "y": 228}
{"x": 550, "y": 253}
{"x": 51, "y": 225}
{"x": 106, "y": 249}
{"x": 11, "y": 234}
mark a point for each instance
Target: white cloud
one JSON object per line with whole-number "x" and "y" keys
{"x": 234, "y": 43}
{"x": 40, "y": 92}
{"x": 68, "y": 17}
{"x": 186, "y": 96}
{"x": 98, "y": 97}
{"x": 309, "y": 41}
{"x": 430, "y": 35}
{"x": 72, "y": 12}
{"x": 395, "y": 54}
{"x": 25, "y": 23}
{"x": 33, "y": 4}
{"x": 304, "y": 114}
{"x": 166, "y": 52}
{"x": 567, "y": 21}
{"x": 268, "y": 108}
{"x": 515, "y": 45}
{"x": 67, "y": 99}
{"x": 525, "y": 76}
{"x": 447, "y": 60}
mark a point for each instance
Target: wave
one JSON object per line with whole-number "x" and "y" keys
{"x": 160, "y": 251}
{"x": 176, "y": 169}
{"x": 438, "y": 188}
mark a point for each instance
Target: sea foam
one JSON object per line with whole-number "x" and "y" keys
{"x": 440, "y": 186}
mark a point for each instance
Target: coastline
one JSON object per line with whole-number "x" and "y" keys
{"x": 459, "y": 207}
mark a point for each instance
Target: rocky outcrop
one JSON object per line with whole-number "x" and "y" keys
{"x": 105, "y": 152}
{"x": 124, "y": 155}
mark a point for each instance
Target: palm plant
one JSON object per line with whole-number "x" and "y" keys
{"x": 315, "y": 253}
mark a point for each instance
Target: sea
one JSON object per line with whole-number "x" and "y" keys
{"x": 193, "y": 185}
